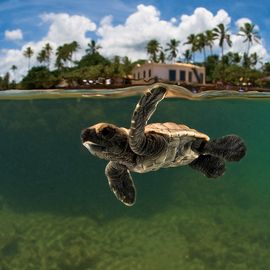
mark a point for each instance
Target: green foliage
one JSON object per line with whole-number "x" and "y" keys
{"x": 172, "y": 48}
{"x": 249, "y": 32}
{"x": 5, "y": 82}
{"x": 64, "y": 54}
{"x": 266, "y": 68}
{"x": 193, "y": 42}
{"x": 28, "y": 53}
{"x": 127, "y": 66}
{"x": 85, "y": 73}
{"x": 234, "y": 73}
{"x": 221, "y": 33}
{"x": 93, "y": 47}
{"x": 153, "y": 47}
{"x": 42, "y": 56}
{"x": 92, "y": 60}
{"x": 187, "y": 56}
{"x": 210, "y": 65}
{"x": 202, "y": 43}
{"x": 39, "y": 78}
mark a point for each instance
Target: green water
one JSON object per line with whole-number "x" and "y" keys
{"x": 57, "y": 212}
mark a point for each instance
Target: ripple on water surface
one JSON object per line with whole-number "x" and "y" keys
{"x": 173, "y": 91}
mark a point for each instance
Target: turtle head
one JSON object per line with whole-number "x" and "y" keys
{"x": 105, "y": 141}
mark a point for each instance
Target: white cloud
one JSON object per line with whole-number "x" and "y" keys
{"x": 14, "y": 34}
{"x": 128, "y": 38}
{"x": 131, "y": 37}
{"x": 64, "y": 28}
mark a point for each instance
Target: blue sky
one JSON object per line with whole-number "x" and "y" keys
{"x": 24, "y": 14}
{"x": 26, "y": 17}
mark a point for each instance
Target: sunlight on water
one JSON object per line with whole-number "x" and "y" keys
{"x": 57, "y": 212}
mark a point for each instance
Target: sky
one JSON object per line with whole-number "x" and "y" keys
{"x": 121, "y": 27}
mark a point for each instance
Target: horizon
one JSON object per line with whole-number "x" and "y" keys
{"x": 120, "y": 28}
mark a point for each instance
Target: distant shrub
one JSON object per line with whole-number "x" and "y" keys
{"x": 39, "y": 78}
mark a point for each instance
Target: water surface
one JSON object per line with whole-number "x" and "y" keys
{"x": 57, "y": 212}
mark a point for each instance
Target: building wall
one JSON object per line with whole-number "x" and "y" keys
{"x": 161, "y": 71}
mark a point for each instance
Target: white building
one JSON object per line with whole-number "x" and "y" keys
{"x": 174, "y": 73}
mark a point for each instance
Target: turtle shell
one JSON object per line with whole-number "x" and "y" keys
{"x": 178, "y": 151}
{"x": 174, "y": 130}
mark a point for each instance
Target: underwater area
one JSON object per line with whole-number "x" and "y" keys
{"x": 58, "y": 213}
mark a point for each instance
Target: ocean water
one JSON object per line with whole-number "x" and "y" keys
{"x": 57, "y": 212}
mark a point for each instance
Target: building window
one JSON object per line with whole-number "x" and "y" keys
{"x": 172, "y": 75}
{"x": 182, "y": 75}
{"x": 134, "y": 76}
{"x": 149, "y": 73}
{"x": 144, "y": 74}
{"x": 138, "y": 75}
{"x": 201, "y": 77}
{"x": 190, "y": 76}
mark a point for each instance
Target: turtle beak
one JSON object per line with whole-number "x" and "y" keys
{"x": 89, "y": 135}
{"x": 90, "y": 140}
{"x": 85, "y": 135}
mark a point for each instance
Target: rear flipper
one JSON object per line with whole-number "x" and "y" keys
{"x": 210, "y": 166}
{"x": 121, "y": 183}
{"x": 230, "y": 147}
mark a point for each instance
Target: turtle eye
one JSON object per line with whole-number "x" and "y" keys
{"x": 108, "y": 132}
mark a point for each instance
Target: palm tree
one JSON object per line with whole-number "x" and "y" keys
{"x": 116, "y": 65}
{"x": 255, "y": 59}
{"x": 153, "y": 47}
{"x": 161, "y": 57}
{"x": 210, "y": 38}
{"x": 193, "y": 41}
{"x": 236, "y": 58}
{"x": 14, "y": 68}
{"x": 74, "y": 47}
{"x": 59, "y": 58}
{"x": 202, "y": 43}
{"x": 221, "y": 33}
{"x": 42, "y": 56}
{"x": 187, "y": 56}
{"x": 28, "y": 53}
{"x": 63, "y": 54}
{"x": 172, "y": 48}
{"x": 127, "y": 66}
{"x": 246, "y": 61}
{"x": 48, "y": 49}
{"x": 250, "y": 33}
{"x": 93, "y": 47}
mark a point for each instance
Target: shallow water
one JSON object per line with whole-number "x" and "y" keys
{"x": 57, "y": 212}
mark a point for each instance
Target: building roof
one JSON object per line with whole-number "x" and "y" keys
{"x": 169, "y": 64}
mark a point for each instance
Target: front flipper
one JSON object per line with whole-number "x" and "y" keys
{"x": 210, "y": 166}
{"x": 121, "y": 183}
{"x": 139, "y": 143}
{"x": 230, "y": 147}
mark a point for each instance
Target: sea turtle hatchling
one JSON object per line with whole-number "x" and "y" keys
{"x": 144, "y": 148}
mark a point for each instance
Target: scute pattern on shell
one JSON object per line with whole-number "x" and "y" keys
{"x": 174, "y": 130}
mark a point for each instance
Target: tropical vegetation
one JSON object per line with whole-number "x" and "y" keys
{"x": 228, "y": 67}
